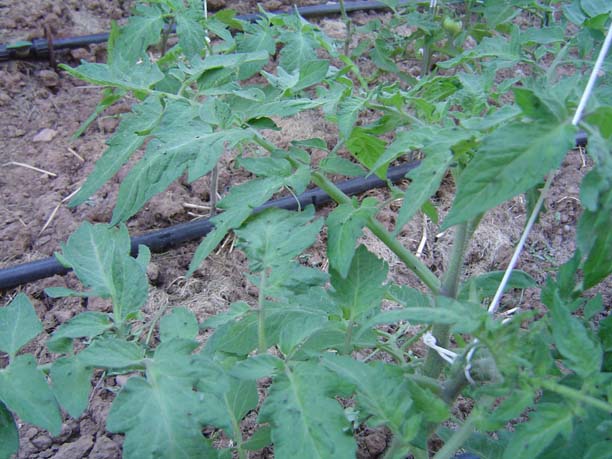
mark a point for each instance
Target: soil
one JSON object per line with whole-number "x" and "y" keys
{"x": 42, "y": 107}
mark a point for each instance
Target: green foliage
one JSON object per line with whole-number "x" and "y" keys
{"x": 338, "y": 349}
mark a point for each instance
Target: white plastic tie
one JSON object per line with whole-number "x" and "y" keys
{"x": 430, "y": 341}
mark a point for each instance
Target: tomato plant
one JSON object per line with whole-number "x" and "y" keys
{"x": 218, "y": 89}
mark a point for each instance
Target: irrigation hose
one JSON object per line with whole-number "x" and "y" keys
{"x": 163, "y": 239}
{"x": 39, "y": 47}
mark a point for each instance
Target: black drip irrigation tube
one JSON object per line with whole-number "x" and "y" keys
{"x": 160, "y": 240}
{"x": 39, "y": 47}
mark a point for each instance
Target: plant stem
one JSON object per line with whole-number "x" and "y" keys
{"x": 410, "y": 260}
{"x": 349, "y": 28}
{"x": 261, "y": 316}
{"x": 464, "y": 432}
{"x": 576, "y": 395}
{"x": 450, "y": 284}
{"x": 348, "y": 337}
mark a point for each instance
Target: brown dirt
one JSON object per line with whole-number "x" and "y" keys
{"x": 41, "y": 108}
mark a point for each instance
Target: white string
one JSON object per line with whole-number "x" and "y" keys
{"x": 519, "y": 248}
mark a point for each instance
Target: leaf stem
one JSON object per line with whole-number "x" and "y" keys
{"x": 464, "y": 432}
{"x": 348, "y": 25}
{"x": 450, "y": 284}
{"x": 410, "y": 260}
{"x": 261, "y": 316}
{"x": 576, "y": 395}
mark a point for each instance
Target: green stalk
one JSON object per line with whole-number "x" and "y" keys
{"x": 450, "y": 284}
{"x": 410, "y": 260}
{"x": 464, "y": 432}
{"x": 349, "y": 337}
{"x": 576, "y": 395}
{"x": 261, "y": 316}
{"x": 349, "y": 28}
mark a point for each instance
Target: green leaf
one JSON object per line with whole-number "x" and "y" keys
{"x": 511, "y": 160}
{"x": 306, "y": 420}
{"x": 580, "y": 353}
{"x": 333, "y": 164}
{"x": 260, "y": 439}
{"x": 544, "y": 425}
{"x": 311, "y": 73}
{"x": 240, "y": 203}
{"x": 486, "y": 284}
{"x": 9, "y": 435}
{"x": 383, "y": 397}
{"x": 19, "y": 324}
{"x": 112, "y": 352}
{"x": 160, "y": 415}
{"x": 348, "y": 112}
{"x": 508, "y": 409}
{"x": 180, "y": 323}
{"x": 275, "y": 236}
{"x": 595, "y": 7}
{"x": 299, "y": 49}
{"x": 362, "y": 290}
{"x": 425, "y": 181}
{"x": 124, "y": 74}
{"x": 142, "y": 30}
{"x": 532, "y": 106}
{"x": 257, "y": 367}
{"x": 71, "y": 384}
{"x": 344, "y": 226}
{"x": 99, "y": 256}
{"x": 128, "y": 137}
{"x": 226, "y": 407}
{"x": 24, "y": 390}
{"x": 85, "y": 325}
{"x": 368, "y": 149}
{"x": 191, "y": 35}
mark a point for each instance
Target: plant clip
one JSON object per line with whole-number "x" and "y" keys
{"x": 430, "y": 341}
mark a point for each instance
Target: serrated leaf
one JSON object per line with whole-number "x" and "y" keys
{"x": 112, "y": 352}
{"x": 344, "y": 226}
{"x": 9, "y": 435}
{"x": 19, "y": 324}
{"x": 71, "y": 384}
{"x": 347, "y": 113}
{"x": 143, "y": 30}
{"x": 275, "y": 236}
{"x": 99, "y": 256}
{"x": 180, "y": 323}
{"x": 368, "y": 149}
{"x": 299, "y": 49}
{"x": 225, "y": 408}
{"x": 580, "y": 353}
{"x": 306, "y": 420}
{"x": 257, "y": 367}
{"x": 362, "y": 290}
{"x": 383, "y": 397}
{"x": 508, "y": 409}
{"x": 341, "y": 166}
{"x": 191, "y": 35}
{"x": 486, "y": 284}
{"x": 532, "y": 105}
{"x": 160, "y": 415}
{"x": 176, "y": 145}
{"x": 511, "y": 160}
{"x": 130, "y": 135}
{"x": 282, "y": 108}
{"x": 532, "y": 437}
{"x": 85, "y": 325}
{"x": 409, "y": 297}
{"x": 24, "y": 390}
{"x": 240, "y": 203}
{"x": 425, "y": 181}
{"x": 128, "y": 75}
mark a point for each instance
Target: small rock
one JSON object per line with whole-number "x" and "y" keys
{"x": 107, "y": 124}
{"x": 80, "y": 54}
{"x": 99, "y": 304}
{"x": 153, "y": 273}
{"x": 376, "y": 443}
{"x": 105, "y": 448}
{"x": 31, "y": 432}
{"x": 76, "y": 449}
{"x": 272, "y": 5}
{"x": 46, "y": 135}
{"x": 216, "y": 4}
{"x": 88, "y": 427}
{"x": 49, "y": 78}
{"x": 42, "y": 442}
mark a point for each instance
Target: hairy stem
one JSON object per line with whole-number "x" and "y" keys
{"x": 576, "y": 395}
{"x": 410, "y": 260}
{"x": 349, "y": 27}
{"x": 464, "y": 432}
{"x": 450, "y": 284}
{"x": 261, "y": 316}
